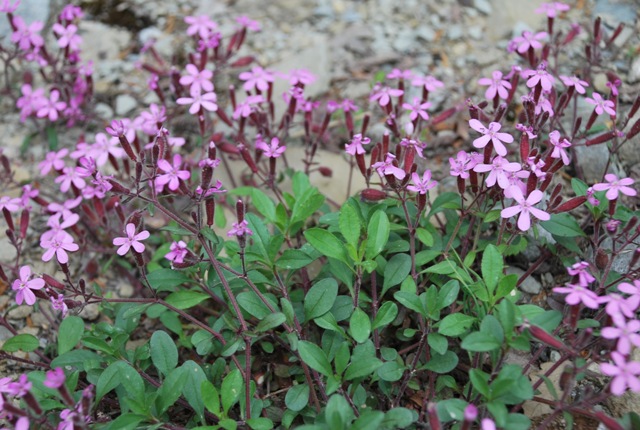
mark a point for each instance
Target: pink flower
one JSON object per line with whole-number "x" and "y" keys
{"x": 383, "y": 95}
{"x": 67, "y": 36}
{"x": 257, "y": 78}
{"x": 172, "y": 174}
{"x": 574, "y": 81}
{"x": 491, "y": 134}
{"x": 618, "y": 306}
{"x": 421, "y": 185}
{"x": 106, "y": 146}
{"x": 591, "y": 198}
{"x": 198, "y": 79}
{"x": 525, "y": 208}
{"x": 400, "y": 74}
{"x": 580, "y": 270}
{"x": 199, "y": 101}
{"x": 24, "y": 285}
{"x": 487, "y": 424}
{"x": 430, "y": 83}
{"x": 527, "y": 40}
{"x": 249, "y": 23}
{"x": 387, "y": 167}
{"x": 274, "y": 150}
{"x": 497, "y": 85}
{"x": 559, "y": 147}
{"x": 26, "y": 36}
{"x": 132, "y": 240}
{"x": 348, "y": 105}
{"x": 625, "y": 374}
{"x": 245, "y": 108}
{"x": 58, "y": 245}
{"x": 55, "y": 378}
{"x": 579, "y": 294}
{"x": 601, "y": 105}
{"x": 498, "y": 169}
{"x": 539, "y": 76}
{"x": 178, "y": 250}
{"x": 70, "y": 176}
{"x": 20, "y": 387}
{"x": 300, "y": 76}
{"x": 240, "y": 229}
{"x": 634, "y": 290}
{"x": 7, "y": 7}
{"x": 460, "y": 166}
{"x": 12, "y": 204}
{"x": 59, "y": 305}
{"x": 31, "y": 101}
{"x": 71, "y": 12}
{"x": 615, "y": 186}
{"x": 200, "y": 25}
{"x": 355, "y": 146}
{"x": 626, "y": 332}
{"x": 51, "y": 106}
{"x": 64, "y": 208}
{"x": 57, "y": 227}
{"x": 551, "y": 9}
{"x": 53, "y": 160}
{"x": 417, "y": 109}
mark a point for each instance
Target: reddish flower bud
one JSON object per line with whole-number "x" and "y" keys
{"x": 571, "y": 204}
{"x": 604, "y": 137}
{"x": 327, "y": 172}
{"x": 546, "y": 338}
{"x": 52, "y": 282}
{"x": 117, "y": 188}
{"x": 210, "y": 207}
{"x": 240, "y": 211}
{"x": 372, "y": 195}
{"x": 8, "y": 218}
{"x": 445, "y": 115}
{"x": 635, "y": 129}
{"x": 243, "y": 61}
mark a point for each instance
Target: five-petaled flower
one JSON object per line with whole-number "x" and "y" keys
{"x": 526, "y": 41}
{"x": 539, "y": 76}
{"x": 355, "y": 146}
{"x": 551, "y": 9}
{"x": 55, "y": 378}
{"x": 273, "y": 150}
{"x": 614, "y": 186}
{"x": 559, "y": 147}
{"x": 578, "y": 294}
{"x": 417, "y": 109}
{"x": 199, "y": 101}
{"x": 497, "y": 86}
{"x": 257, "y": 78}
{"x": 198, "y": 79}
{"x": 383, "y": 95}
{"x": 24, "y": 285}
{"x": 525, "y": 207}
{"x": 177, "y": 252}
{"x": 626, "y": 332}
{"x": 601, "y": 105}
{"x": 131, "y": 241}
{"x": 58, "y": 245}
{"x": 421, "y": 185}
{"x": 625, "y": 374}
{"x": 576, "y": 82}
{"x": 173, "y": 174}
{"x": 491, "y": 134}
{"x": 430, "y": 83}
{"x": 579, "y": 269}
{"x": 240, "y": 229}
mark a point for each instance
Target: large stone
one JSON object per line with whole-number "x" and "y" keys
{"x": 530, "y": 285}
{"x": 507, "y": 13}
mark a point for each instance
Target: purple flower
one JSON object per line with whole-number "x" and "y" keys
{"x": 57, "y": 227}
{"x": 64, "y": 208}
{"x": 460, "y": 166}
{"x": 31, "y": 101}
{"x": 26, "y": 36}
{"x": 70, "y": 176}
{"x": 601, "y": 105}
{"x": 430, "y": 83}
{"x": 7, "y": 7}
{"x": 67, "y": 36}
{"x": 539, "y": 76}
{"x": 178, "y": 250}
{"x": 559, "y": 147}
{"x": 580, "y": 270}
{"x": 245, "y": 108}
{"x": 240, "y": 229}
{"x": 487, "y": 424}
{"x": 498, "y": 169}
{"x": 132, "y": 240}
{"x": 421, "y": 185}
{"x": 53, "y": 160}
{"x": 273, "y": 150}
{"x": 12, "y": 204}
{"x": 172, "y": 174}
{"x": 417, "y": 109}
{"x": 625, "y": 374}
{"x": 20, "y": 387}
{"x": 634, "y": 290}
{"x": 614, "y": 186}
{"x": 55, "y": 378}
{"x": 51, "y": 106}
{"x": 355, "y": 146}
{"x": 24, "y": 285}
{"x": 579, "y": 294}
{"x": 387, "y": 167}
{"x": 525, "y": 207}
{"x": 106, "y": 146}
{"x": 400, "y": 74}
{"x": 383, "y": 95}
{"x": 551, "y": 9}
{"x": 300, "y": 76}
{"x": 626, "y": 332}
{"x": 591, "y": 198}
{"x": 59, "y": 305}
{"x": 257, "y": 78}
{"x": 618, "y": 306}
{"x": 497, "y": 85}
{"x": 249, "y": 23}
{"x": 200, "y": 25}
{"x": 58, "y": 245}
{"x": 526, "y": 41}
{"x": 491, "y": 134}
{"x": 574, "y": 81}
{"x": 198, "y": 79}
{"x": 199, "y": 101}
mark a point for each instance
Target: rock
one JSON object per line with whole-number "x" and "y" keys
{"x": 125, "y": 290}
{"x": 90, "y": 312}
{"x": 483, "y": 6}
{"x": 506, "y": 13}
{"x": 455, "y": 32}
{"x": 614, "y": 12}
{"x": 593, "y": 161}
{"x": 101, "y": 42}
{"x": 20, "y": 312}
{"x": 530, "y": 285}
{"x": 405, "y": 40}
{"x": 426, "y": 33}
{"x": 4, "y": 333}
{"x": 104, "y": 111}
{"x": 535, "y": 409}
{"x": 125, "y": 104}
{"x": 634, "y": 73}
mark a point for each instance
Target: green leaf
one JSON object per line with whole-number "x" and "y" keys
{"x": 448, "y": 294}
{"x": 186, "y": 299}
{"x": 563, "y": 225}
{"x": 444, "y": 201}
{"x": 292, "y": 259}
{"x": 260, "y": 423}
{"x": 410, "y": 301}
{"x": 438, "y": 342}
{"x": 359, "y": 325}
{"x": 166, "y": 279}
{"x": 451, "y": 410}
{"x": 386, "y": 314}
{"x": 442, "y": 363}
{"x": 250, "y": 302}
{"x": 263, "y": 204}
{"x": 320, "y": 298}
{"x": 455, "y": 324}
{"x": 271, "y": 321}
{"x": 126, "y": 422}
{"x": 297, "y": 397}
{"x": 492, "y": 267}
{"x": 164, "y": 353}
{"x": 119, "y": 373}
{"x": 445, "y": 267}
{"x": 368, "y": 420}
{"x": 398, "y": 418}
{"x": 349, "y": 223}
{"x": 327, "y": 244}
{"x": 176, "y": 229}
{"x": 314, "y": 357}
{"x": 231, "y": 389}
{"x": 192, "y": 390}
{"x": 21, "y": 342}
{"x": 211, "y": 397}
{"x": 81, "y": 359}
{"x": 391, "y": 371}
{"x": 377, "y": 234}
{"x": 396, "y": 270}
{"x": 480, "y": 342}
{"x": 69, "y": 334}
{"x": 424, "y": 236}
{"x": 362, "y": 366}
{"x": 480, "y": 381}
{"x": 171, "y": 389}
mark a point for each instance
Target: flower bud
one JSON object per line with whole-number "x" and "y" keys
{"x": 372, "y": 195}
